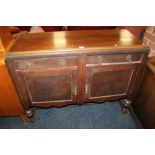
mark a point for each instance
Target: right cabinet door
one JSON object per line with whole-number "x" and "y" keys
{"x": 108, "y": 82}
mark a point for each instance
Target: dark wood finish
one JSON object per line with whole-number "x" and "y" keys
{"x": 109, "y": 82}
{"x": 74, "y": 41}
{"x": 123, "y": 58}
{"x": 49, "y": 87}
{"x": 144, "y": 104}
{"x": 44, "y": 63}
{"x": 62, "y": 68}
{"x": 10, "y": 104}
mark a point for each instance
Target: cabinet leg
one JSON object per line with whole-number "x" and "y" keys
{"x": 22, "y": 117}
{"x": 125, "y": 105}
{"x": 30, "y": 114}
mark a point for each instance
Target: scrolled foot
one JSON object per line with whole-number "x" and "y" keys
{"x": 125, "y": 105}
{"x": 30, "y": 114}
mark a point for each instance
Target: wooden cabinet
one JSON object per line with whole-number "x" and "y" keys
{"x": 62, "y": 68}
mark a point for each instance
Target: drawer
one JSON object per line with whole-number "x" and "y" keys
{"x": 46, "y": 63}
{"x": 117, "y": 58}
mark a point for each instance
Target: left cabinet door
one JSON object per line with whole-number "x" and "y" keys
{"x": 48, "y": 87}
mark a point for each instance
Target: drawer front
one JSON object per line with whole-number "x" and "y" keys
{"x": 117, "y": 58}
{"x": 46, "y": 63}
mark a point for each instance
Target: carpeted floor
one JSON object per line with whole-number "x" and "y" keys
{"x": 90, "y": 116}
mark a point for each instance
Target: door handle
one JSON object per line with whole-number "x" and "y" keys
{"x": 86, "y": 89}
{"x": 75, "y": 91}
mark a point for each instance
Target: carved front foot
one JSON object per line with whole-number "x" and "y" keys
{"x": 125, "y": 104}
{"x": 30, "y": 114}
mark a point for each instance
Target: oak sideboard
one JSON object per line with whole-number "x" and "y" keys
{"x": 77, "y": 67}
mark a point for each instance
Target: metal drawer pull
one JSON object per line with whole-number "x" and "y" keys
{"x": 99, "y": 59}
{"x": 62, "y": 62}
{"x": 29, "y": 65}
{"x": 75, "y": 91}
{"x": 129, "y": 58}
{"x": 86, "y": 89}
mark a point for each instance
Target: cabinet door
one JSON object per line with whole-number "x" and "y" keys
{"x": 49, "y": 87}
{"x": 108, "y": 82}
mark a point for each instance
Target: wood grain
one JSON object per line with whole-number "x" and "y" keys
{"x": 75, "y": 40}
{"x": 97, "y": 66}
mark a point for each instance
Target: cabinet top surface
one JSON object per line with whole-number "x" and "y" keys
{"x": 68, "y": 41}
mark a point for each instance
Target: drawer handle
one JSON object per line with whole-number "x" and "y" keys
{"x": 29, "y": 65}
{"x": 129, "y": 59}
{"x": 62, "y": 62}
{"x": 86, "y": 89}
{"x": 99, "y": 59}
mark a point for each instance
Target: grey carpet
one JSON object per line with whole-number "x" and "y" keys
{"x": 91, "y": 116}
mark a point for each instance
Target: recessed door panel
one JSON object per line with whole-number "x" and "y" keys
{"x": 50, "y": 86}
{"x": 108, "y": 81}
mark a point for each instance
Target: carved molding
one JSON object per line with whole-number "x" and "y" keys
{"x": 73, "y": 52}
